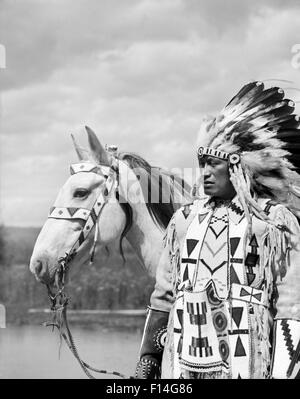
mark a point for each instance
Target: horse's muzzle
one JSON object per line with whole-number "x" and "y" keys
{"x": 39, "y": 267}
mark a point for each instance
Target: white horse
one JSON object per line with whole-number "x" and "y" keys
{"x": 105, "y": 199}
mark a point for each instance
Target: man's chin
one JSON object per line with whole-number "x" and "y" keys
{"x": 209, "y": 191}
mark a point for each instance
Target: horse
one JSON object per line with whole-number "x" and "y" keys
{"x": 108, "y": 197}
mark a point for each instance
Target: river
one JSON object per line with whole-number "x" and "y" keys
{"x": 33, "y": 351}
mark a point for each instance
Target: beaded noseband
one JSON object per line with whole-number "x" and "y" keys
{"x": 89, "y": 216}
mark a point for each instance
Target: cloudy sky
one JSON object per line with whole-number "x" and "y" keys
{"x": 141, "y": 73}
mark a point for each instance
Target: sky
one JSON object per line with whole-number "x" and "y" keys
{"x": 140, "y": 73}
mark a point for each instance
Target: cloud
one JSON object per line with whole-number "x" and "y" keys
{"x": 140, "y": 73}
{"x": 57, "y": 34}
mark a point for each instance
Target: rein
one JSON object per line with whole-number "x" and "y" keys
{"x": 59, "y": 303}
{"x": 59, "y": 300}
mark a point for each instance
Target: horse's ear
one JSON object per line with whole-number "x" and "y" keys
{"x": 99, "y": 154}
{"x": 82, "y": 153}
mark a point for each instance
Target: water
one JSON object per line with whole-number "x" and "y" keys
{"x": 32, "y": 352}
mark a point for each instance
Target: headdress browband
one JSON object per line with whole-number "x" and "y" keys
{"x": 232, "y": 158}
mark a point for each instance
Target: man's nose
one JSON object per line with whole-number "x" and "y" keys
{"x": 206, "y": 171}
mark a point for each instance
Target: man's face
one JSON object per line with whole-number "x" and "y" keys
{"x": 216, "y": 178}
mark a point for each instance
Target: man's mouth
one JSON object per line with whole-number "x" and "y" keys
{"x": 208, "y": 183}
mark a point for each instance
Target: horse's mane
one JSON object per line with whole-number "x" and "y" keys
{"x": 158, "y": 178}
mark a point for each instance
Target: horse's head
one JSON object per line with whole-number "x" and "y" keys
{"x": 87, "y": 196}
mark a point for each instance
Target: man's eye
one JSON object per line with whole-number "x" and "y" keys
{"x": 81, "y": 193}
{"x": 213, "y": 162}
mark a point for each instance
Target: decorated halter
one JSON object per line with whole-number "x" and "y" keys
{"x": 60, "y": 300}
{"x": 89, "y": 216}
{"x": 232, "y": 158}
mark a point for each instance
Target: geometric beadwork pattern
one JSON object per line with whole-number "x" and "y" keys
{"x": 236, "y": 208}
{"x": 186, "y": 211}
{"x": 204, "y": 344}
{"x": 239, "y": 340}
{"x": 248, "y": 294}
{"x": 220, "y": 318}
{"x": 213, "y": 334}
{"x": 213, "y": 261}
{"x": 236, "y": 314}
{"x": 252, "y": 259}
{"x": 191, "y": 247}
{"x": 239, "y": 348}
{"x": 69, "y": 213}
{"x": 288, "y": 338}
{"x": 177, "y": 336}
{"x": 160, "y": 338}
{"x": 236, "y": 258}
{"x": 191, "y": 244}
{"x": 286, "y": 349}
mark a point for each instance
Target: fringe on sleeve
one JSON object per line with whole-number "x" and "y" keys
{"x": 281, "y": 239}
{"x": 171, "y": 241}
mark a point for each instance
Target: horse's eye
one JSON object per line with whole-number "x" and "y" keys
{"x": 81, "y": 193}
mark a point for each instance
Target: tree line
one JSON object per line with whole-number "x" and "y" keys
{"x": 106, "y": 284}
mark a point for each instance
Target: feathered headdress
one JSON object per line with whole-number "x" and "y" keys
{"x": 258, "y": 133}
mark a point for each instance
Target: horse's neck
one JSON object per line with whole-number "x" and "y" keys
{"x": 146, "y": 238}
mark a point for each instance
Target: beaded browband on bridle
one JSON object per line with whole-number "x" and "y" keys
{"x": 89, "y": 216}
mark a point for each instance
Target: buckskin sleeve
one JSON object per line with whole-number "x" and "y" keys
{"x": 152, "y": 346}
{"x": 162, "y": 297}
{"x": 286, "y": 328}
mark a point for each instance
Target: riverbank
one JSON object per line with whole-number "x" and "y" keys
{"x": 127, "y": 319}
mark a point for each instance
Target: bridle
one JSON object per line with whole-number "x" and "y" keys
{"x": 60, "y": 300}
{"x": 89, "y": 216}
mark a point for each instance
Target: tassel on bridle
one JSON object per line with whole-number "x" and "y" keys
{"x": 92, "y": 253}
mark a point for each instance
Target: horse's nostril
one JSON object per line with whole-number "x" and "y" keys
{"x": 38, "y": 268}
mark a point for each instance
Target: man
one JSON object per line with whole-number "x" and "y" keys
{"x": 227, "y": 295}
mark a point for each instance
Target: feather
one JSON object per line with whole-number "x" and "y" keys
{"x": 260, "y": 124}
{"x": 289, "y": 136}
{"x": 244, "y": 92}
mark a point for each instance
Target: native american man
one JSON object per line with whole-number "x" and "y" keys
{"x": 227, "y": 294}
